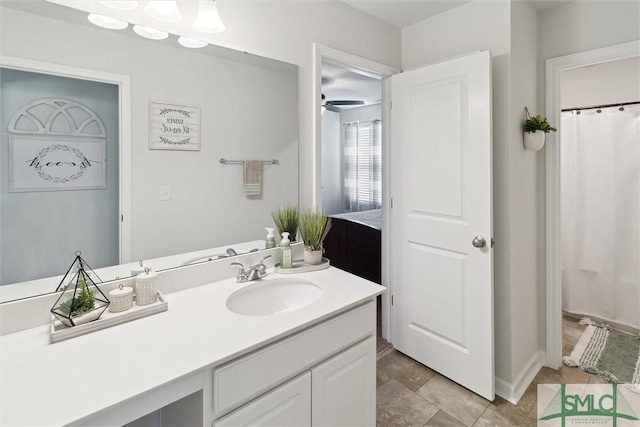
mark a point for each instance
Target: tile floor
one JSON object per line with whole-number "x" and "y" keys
{"x": 410, "y": 394}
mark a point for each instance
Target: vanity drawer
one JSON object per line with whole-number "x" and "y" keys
{"x": 241, "y": 380}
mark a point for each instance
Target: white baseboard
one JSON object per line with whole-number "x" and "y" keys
{"x": 512, "y": 392}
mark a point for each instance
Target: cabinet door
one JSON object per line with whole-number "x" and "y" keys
{"x": 344, "y": 388}
{"x": 287, "y": 405}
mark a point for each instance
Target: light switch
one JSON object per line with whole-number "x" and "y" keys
{"x": 165, "y": 192}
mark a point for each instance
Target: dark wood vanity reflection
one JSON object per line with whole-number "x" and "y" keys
{"x": 355, "y": 248}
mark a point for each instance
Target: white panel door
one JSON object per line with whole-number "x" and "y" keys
{"x": 287, "y": 405}
{"x": 440, "y": 185}
{"x": 344, "y": 388}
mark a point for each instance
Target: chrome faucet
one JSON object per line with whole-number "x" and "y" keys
{"x": 253, "y": 272}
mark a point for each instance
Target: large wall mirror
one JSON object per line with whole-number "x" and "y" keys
{"x": 157, "y": 202}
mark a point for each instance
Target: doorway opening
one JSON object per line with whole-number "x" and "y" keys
{"x": 575, "y": 267}
{"x": 350, "y": 146}
{"x": 67, "y": 114}
{"x": 351, "y": 173}
{"x": 600, "y": 222}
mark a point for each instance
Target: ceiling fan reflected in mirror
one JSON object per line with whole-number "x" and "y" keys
{"x": 335, "y": 105}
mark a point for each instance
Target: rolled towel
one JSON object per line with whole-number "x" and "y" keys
{"x": 252, "y": 177}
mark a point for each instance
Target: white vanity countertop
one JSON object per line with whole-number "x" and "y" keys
{"x": 56, "y": 384}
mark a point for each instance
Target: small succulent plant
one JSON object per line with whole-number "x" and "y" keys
{"x": 83, "y": 302}
{"x": 538, "y": 122}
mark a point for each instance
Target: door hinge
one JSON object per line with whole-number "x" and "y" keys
{"x": 493, "y": 242}
{"x": 392, "y": 203}
{"x": 121, "y": 218}
{"x": 391, "y": 299}
{"x": 391, "y": 105}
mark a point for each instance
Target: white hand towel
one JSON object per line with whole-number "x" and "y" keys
{"x": 252, "y": 177}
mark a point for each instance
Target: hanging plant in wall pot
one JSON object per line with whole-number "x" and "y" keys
{"x": 535, "y": 130}
{"x": 534, "y": 141}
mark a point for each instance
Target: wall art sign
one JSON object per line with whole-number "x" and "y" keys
{"x": 174, "y": 127}
{"x": 56, "y": 144}
{"x": 46, "y": 164}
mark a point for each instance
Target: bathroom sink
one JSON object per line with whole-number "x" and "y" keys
{"x": 269, "y": 297}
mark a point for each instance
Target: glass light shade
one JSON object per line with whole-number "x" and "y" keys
{"x": 120, "y": 4}
{"x": 150, "y": 33}
{"x": 164, "y": 10}
{"x": 107, "y": 22}
{"x": 192, "y": 43}
{"x": 208, "y": 20}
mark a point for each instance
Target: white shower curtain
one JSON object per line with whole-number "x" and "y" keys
{"x": 600, "y": 214}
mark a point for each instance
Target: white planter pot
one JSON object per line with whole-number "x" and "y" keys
{"x": 312, "y": 257}
{"x": 534, "y": 141}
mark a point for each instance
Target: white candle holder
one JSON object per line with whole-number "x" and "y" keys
{"x": 146, "y": 290}
{"x": 121, "y": 299}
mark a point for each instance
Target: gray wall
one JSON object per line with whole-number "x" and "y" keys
{"x": 332, "y": 201}
{"x": 607, "y": 83}
{"x": 362, "y": 114}
{"x": 247, "y": 112}
{"x": 42, "y": 230}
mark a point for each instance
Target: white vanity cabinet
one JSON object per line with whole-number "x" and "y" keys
{"x": 312, "y": 366}
{"x": 287, "y": 405}
{"x": 343, "y": 391}
{"x": 322, "y": 376}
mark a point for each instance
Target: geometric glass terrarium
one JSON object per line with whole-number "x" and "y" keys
{"x": 81, "y": 301}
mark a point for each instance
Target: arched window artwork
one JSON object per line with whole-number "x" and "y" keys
{"x": 56, "y": 144}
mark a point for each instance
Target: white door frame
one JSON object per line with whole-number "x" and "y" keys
{"x": 554, "y": 69}
{"x": 124, "y": 114}
{"x": 382, "y": 72}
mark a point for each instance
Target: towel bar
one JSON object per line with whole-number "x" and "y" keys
{"x": 239, "y": 162}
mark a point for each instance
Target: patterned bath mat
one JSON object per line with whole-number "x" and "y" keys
{"x": 609, "y": 355}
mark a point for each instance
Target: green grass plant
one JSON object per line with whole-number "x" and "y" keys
{"x": 314, "y": 226}
{"x": 286, "y": 219}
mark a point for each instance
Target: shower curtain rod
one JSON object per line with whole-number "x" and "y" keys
{"x": 620, "y": 104}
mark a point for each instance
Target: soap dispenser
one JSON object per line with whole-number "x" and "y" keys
{"x": 285, "y": 251}
{"x": 271, "y": 239}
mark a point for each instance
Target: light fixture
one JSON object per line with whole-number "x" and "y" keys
{"x": 120, "y": 4}
{"x": 164, "y": 10}
{"x": 192, "y": 43}
{"x": 208, "y": 20}
{"x": 107, "y": 22}
{"x": 150, "y": 33}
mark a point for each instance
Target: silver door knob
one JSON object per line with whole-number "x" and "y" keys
{"x": 479, "y": 242}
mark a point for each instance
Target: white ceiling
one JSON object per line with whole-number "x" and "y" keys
{"x": 401, "y": 13}
{"x": 341, "y": 84}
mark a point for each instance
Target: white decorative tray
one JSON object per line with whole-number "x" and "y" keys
{"x": 298, "y": 266}
{"x": 60, "y": 332}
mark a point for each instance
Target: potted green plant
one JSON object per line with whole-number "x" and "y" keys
{"x": 314, "y": 226}
{"x": 286, "y": 219}
{"x": 80, "y": 300}
{"x": 82, "y": 306}
{"x": 81, "y": 303}
{"x": 535, "y": 129}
